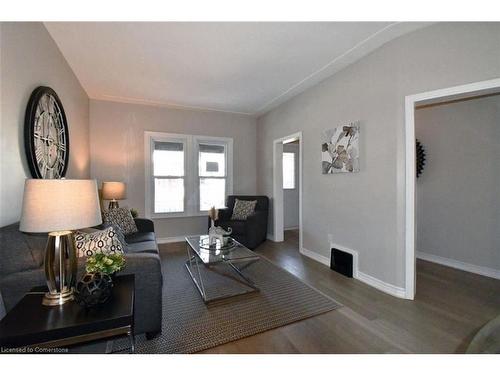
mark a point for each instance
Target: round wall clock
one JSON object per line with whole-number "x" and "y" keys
{"x": 46, "y": 138}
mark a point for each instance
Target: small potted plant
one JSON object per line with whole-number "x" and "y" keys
{"x": 108, "y": 264}
{"x": 95, "y": 286}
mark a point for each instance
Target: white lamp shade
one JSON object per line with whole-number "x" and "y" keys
{"x": 114, "y": 190}
{"x": 57, "y": 205}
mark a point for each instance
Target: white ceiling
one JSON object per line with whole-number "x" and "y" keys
{"x": 245, "y": 68}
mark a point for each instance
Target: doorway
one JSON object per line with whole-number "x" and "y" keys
{"x": 287, "y": 187}
{"x": 411, "y": 103}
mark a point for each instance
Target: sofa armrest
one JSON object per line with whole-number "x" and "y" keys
{"x": 144, "y": 225}
{"x": 256, "y": 228}
{"x": 148, "y": 290}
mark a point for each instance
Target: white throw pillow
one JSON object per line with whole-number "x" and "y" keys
{"x": 102, "y": 241}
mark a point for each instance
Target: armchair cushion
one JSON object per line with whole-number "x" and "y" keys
{"x": 242, "y": 209}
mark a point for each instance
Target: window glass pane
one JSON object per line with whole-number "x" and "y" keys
{"x": 212, "y": 193}
{"x": 168, "y": 159}
{"x": 212, "y": 160}
{"x": 169, "y": 195}
{"x": 288, "y": 170}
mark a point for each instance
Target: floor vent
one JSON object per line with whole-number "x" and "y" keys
{"x": 341, "y": 262}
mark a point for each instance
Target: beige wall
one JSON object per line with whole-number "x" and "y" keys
{"x": 365, "y": 211}
{"x": 458, "y": 194}
{"x": 30, "y": 58}
{"x": 117, "y": 150}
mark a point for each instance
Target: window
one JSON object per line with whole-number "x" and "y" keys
{"x": 288, "y": 170}
{"x": 186, "y": 175}
{"x": 212, "y": 175}
{"x": 169, "y": 176}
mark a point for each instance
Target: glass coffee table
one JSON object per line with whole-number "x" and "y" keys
{"x": 217, "y": 270}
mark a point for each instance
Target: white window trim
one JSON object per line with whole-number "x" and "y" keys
{"x": 191, "y": 184}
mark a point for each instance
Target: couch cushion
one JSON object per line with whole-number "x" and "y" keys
{"x": 101, "y": 241}
{"x": 143, "y": 247}
{"x": 140, "y": 237}
{"x": 20, "y": 251}
{"x": 238, "y": 226}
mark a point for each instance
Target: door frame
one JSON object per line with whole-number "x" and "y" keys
{"x": 411, "y": 102}
{"x": 278, "y": 200}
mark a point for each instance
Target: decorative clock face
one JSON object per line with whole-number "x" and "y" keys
{"x": 46, "y": 135}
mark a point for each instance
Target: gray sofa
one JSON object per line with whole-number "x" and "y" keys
{"x": 21, "y": 268}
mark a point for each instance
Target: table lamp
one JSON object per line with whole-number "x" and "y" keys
{"x": 114, "y": 191}
{"x": 59, "y": 206}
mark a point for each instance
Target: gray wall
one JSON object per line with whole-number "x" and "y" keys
{"x": 458, "y": 194}
{"x": 291, "y": 196}
{"x": 365, "y": 211}
{"x": 30, "y": 58}
{"x": 117, "y": 150}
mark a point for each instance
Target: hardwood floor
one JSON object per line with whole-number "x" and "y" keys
{"x": 449, "y": 308}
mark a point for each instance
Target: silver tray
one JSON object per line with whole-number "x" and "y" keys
{"x": 204, "y": 244}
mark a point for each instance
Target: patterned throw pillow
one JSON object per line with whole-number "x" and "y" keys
{"x": 121, "y": 218}
{"x": 102, "y": 241}
{"x": 243, "y": 209}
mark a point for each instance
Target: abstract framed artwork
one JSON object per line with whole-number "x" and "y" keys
{"x": 340, "y": 150}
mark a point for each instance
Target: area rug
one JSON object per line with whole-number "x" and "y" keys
{"x": 190, "y": 326}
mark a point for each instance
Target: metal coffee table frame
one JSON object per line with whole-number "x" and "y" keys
{"x": 195, "y": 260}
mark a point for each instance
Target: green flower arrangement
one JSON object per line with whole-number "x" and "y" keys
{"x": 134, "y": 213}
{"x": 107, "y": 264}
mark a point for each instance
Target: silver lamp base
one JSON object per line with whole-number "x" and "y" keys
{"x": 113, "y": 204}
{"x": 60, "y": 268}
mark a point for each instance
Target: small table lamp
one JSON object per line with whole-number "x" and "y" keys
{"x": 114, "y": 191}
{"x": 59, "y": 207}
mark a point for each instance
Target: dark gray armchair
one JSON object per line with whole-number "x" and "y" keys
{"x": 252, "y": 231}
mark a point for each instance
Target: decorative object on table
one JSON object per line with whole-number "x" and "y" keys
{"x": 340, "y": 149}
{"x": 216, "y": 233}
{"x": 227, "y": 244}
{"x": 134, "y": 213}
{"x": 46, "y": 137}
{"x": 108, "y": 264}
{"x": 420, "y": 157}
{"x": 114, "y": 191}
{"x": 93, "y": 289}
{"x": 75, "y": 204}
{"x": 243, "y": 209}
{"x": 121, "y": 218}
{"x": 105, "y": 241}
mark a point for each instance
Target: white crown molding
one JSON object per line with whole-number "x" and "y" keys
{"x": 480, "y": 270}
{"x": 360, "y": 50}
{"x": 154, "y": 103}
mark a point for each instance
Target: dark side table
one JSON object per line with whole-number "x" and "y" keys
{"x": 31, "y": 327}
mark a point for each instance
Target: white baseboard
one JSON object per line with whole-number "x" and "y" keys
{"x": 480, "y": 270}
{"x": 393, "y": 290}
{"x": 317, "y": 257}
{"x": 363, "y": 277}
{"x": 270, "y": 237}
{"x": 291, "y": 228}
